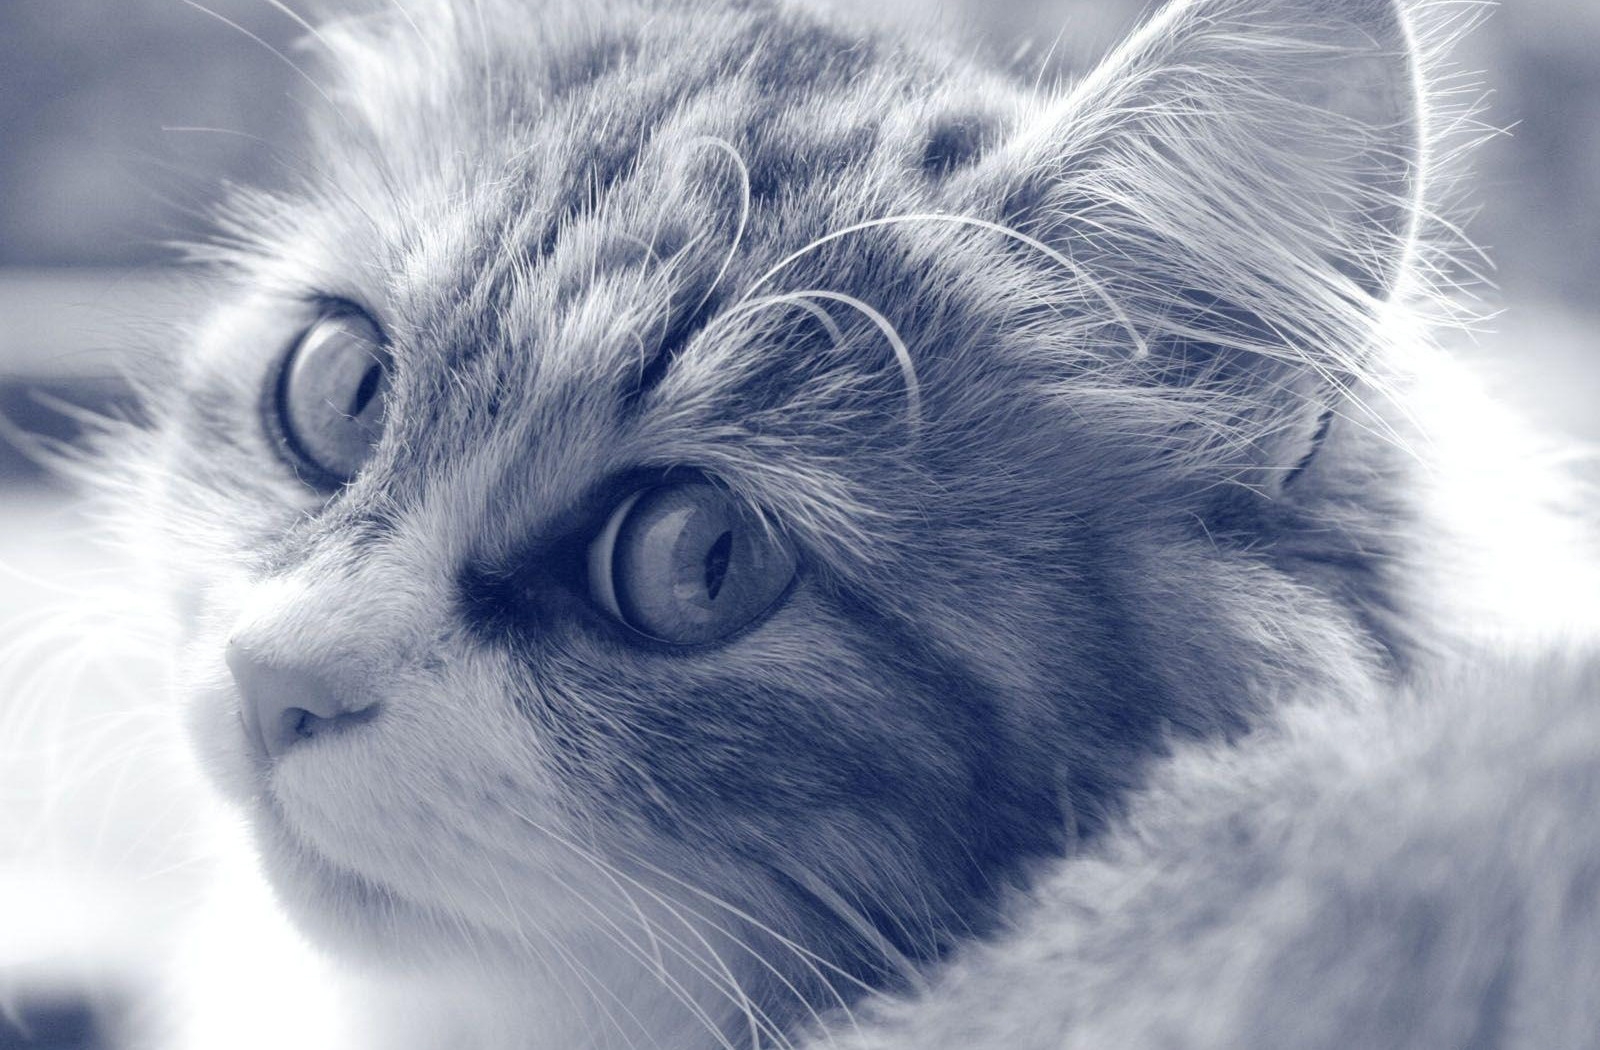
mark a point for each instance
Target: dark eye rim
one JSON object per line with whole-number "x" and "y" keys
{"x": 644, "y": 482}
{"x": 274, "y": 408}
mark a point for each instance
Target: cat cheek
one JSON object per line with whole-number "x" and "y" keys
{"x": 211, "y": 718}
{"x": 189, "y": 606}
{"x": 205, "y": 611}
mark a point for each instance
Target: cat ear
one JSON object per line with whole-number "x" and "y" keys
{"x": 1297, "y": 119}
{"x": 1240, "y": 181}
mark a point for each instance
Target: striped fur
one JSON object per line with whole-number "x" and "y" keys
{"x": 1094, "y": 416}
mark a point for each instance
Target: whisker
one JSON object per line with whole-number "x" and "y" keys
{"x": 908, "y": 368}
{"x": 719, "y": 143}
{"x": 733, "y": 989}
{"x": 285, "y": 59}
{"x": 316, "y": 34}
{"x": 1142, "y": 349}
{"x": 630, "y": 947}
{"x": 810, "y": 959}
{"x": 585, "y": 976}
{"x": 421, "y": 36}
{"x": 302, "y": 165}
{"x": 857, "y": 922}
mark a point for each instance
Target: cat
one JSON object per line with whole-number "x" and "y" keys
{"x": 702, "y": 524}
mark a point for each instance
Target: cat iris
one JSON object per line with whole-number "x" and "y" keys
{"x": 686, "y": 564}
{"x": 681, "y": 563}
{"x": 331, "y": 397}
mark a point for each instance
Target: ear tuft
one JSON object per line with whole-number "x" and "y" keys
{"x": 1241, "y": 181}
{"x": 1299, "y": 116}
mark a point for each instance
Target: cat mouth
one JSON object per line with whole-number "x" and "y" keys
{"x": 291, "y": 856}
{"x": 344, "y": 908}
{"x": 348, "y": 910}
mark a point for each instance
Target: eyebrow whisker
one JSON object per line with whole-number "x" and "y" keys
{"x": 902, "y": 354}
{"x": 718, "y": 143}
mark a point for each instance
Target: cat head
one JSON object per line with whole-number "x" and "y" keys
{"x": 717, "y": 466}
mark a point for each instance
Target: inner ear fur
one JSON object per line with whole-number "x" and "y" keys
{"x": 1241, "y": 179}
{"x": 1297, "y": 119}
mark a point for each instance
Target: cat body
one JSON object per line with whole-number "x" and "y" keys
{"x": 1091, "y": 557}
{"x": 1416, "y": 872}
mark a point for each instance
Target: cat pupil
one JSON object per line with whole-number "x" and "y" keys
{"x": 717, "y": 564}
{"x": 364, "y": 392}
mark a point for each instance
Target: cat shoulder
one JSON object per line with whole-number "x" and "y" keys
{"x": 1419, "y": 869}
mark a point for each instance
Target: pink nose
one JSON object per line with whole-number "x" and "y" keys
{"x": 283, "y": 705}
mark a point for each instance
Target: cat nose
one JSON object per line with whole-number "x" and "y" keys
{"x": 284, "y": 705}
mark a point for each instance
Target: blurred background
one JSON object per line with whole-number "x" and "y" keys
{"x": 121, "y": 124}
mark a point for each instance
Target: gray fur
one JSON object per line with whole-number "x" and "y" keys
{"x": 1418, "y": 869}
{"x": 1092, "y": 415}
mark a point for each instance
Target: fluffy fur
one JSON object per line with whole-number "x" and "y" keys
{"x": 1418, "y": 869}
{"x": 1094, "y": 418}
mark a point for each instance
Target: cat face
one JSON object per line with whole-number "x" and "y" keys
{"x": 712, "y": 463}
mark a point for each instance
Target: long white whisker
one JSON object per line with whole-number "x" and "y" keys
{"x": 632, "y": 948}
{"x": 421, "y": 36}
{"x": 1142, "y": 349}
{"x": 285, "y": 59}
{"x": 590, "y": 981}
{"x": 853, "y": 918}
{"x": 316, "y": 34}
{"x": 719, "y": 143}
{"x": 902, "y": 355}
{"x": 732, "y": 989}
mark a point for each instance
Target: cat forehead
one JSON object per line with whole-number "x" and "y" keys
{"x": 578, "y": 141}
{"x": 467, "y": 90}
{"x": 543, "y": 214}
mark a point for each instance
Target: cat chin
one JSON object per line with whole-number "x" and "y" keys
{"x": 373, "y": 913}
{"x": 350, "y": 913}
{"x": 497, "y": 985}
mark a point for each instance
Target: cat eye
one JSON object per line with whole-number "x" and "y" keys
{"x": 687, "y": 564}
{"x": 331, "y": 397}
